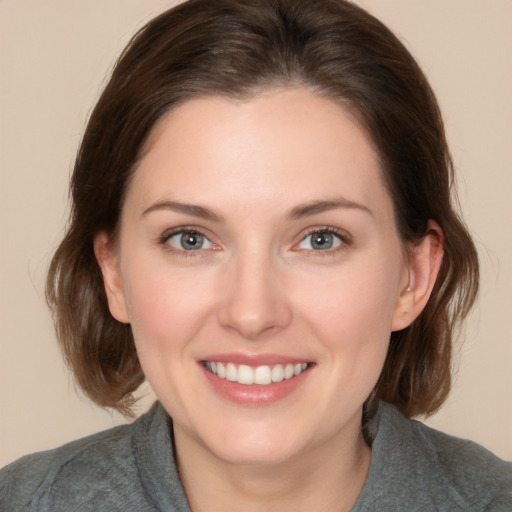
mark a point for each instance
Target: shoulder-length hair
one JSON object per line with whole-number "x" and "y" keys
{"x": 236, "y": 48}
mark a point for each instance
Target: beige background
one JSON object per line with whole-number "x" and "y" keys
{"x": 54, "y": 56}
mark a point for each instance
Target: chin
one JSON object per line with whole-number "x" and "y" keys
{"x": 262, "y": 454}
{"x": 257, "y": 445}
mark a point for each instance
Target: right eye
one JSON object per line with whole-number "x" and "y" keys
{"x": 320, "y": 241}
{"x": 189, "y": 241}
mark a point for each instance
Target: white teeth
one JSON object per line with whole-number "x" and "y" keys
{"x": 245, "y": 374}
{"x": 221, "y": 370}
{"x": 278, "y": 373}
{"x": 261, "y": 375}
{"x": 231, "y": 373}
{"x": 289, "y": 371}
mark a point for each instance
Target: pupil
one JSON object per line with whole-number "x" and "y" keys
{"x": 322, "y": 241}
{"x": 191, "y": 241}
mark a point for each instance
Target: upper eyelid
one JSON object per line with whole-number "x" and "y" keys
{"x": 168, "y": 233}
{"x": 342, "y": 234}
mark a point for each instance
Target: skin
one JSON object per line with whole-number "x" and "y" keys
{"x": 257, "y": 286}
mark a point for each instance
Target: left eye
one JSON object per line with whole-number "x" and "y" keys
{"x": 320, "y": 241}
{"x": 189, "y": 241}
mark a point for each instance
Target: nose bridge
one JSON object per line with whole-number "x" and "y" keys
{"x": 255, "y": 302}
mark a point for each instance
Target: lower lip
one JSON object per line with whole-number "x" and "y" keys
{"x": 254, "y": 395}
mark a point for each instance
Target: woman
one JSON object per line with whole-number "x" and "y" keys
{"x": 262, "y": 228}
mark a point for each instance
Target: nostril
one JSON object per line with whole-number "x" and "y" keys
{"x": 254, "y": 326}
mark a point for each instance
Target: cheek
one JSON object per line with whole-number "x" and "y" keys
{"x": 351, "y": 309}
{"x": 165, "y": 308}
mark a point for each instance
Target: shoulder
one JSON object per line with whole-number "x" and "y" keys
{"x": 429, "y": 470}
{"x": 474, "y": 472}
{"x": 474, "y": 475}
{"x": 103, "y": 464}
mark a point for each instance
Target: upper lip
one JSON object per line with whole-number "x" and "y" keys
{"x": 255, "y": 359}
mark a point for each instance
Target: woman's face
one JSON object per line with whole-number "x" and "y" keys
{"x": 257, "y": 242}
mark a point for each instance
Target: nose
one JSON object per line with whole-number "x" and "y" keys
{"x": 255, "y": 304}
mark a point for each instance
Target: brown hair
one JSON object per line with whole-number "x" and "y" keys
{"x": 235, "y": 48}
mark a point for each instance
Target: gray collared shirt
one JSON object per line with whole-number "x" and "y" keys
{"x": 131, "y": 468}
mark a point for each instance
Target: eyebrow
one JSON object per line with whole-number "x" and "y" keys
{"x": 298, "y": 212}
{"x": 188, "y": 209}
{"x": 317, "y": 207}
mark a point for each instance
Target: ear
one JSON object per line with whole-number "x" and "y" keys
{"x": 424, "y": 262}
{"x": 109, "y": 265}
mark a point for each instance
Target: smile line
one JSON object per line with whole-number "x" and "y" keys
{"x": 260, "y": 375}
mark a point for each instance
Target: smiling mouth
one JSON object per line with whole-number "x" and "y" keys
{"x": 260, "y": 375}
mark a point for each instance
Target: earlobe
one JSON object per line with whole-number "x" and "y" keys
{"x": 109, "y": 265}
{"x": 424, "y": 262}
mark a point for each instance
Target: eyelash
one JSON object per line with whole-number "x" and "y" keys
{"x": 167, "y": 235}
{"x": 344, "y": 238}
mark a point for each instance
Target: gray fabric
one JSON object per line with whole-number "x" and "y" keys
{"x": 128, "y": 468}
{"x": 418, "y": 469}
{"x": 131, "y": 468}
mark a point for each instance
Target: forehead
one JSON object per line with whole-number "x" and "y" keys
{"x": 254, "y": 150}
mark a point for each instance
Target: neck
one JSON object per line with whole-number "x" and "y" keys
{"x": 326, "y": 478}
